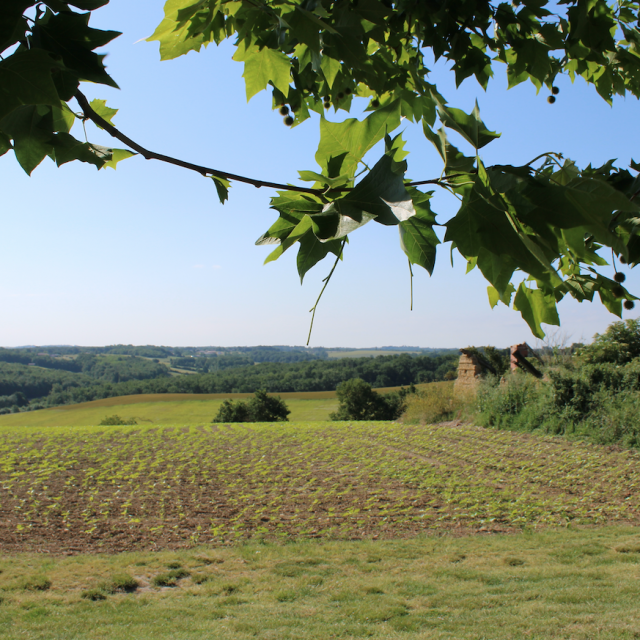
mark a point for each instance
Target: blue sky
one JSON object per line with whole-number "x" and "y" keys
{"x": 147, "y": 255}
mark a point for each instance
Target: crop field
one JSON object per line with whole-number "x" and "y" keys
{"x": 88, "y": 489}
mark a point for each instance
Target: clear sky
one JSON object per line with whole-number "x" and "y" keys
{"x": 147, "y": 255}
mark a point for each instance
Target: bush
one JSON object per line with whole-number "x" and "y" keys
{"x": 358, "y": 401}
{"x": 619, "y": 344}
{"x": 117, "y": 420}
{"x": 261, "y": 408}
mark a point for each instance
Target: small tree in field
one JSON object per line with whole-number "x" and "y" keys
{"x": 358, "y": 401}
{"x": 261, "y": 408}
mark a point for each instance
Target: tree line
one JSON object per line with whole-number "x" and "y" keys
{"x": 45, "y": 388}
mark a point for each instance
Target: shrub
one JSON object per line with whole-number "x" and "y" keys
{"x": 619, "y": 344}
{"x": 261, "y": 408}
{"x": 117, "y": 420}
{"x": 358, "y": 401}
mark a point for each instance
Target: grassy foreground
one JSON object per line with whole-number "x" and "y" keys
{"x": 569, "y": 584}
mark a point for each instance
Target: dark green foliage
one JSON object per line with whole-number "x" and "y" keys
{"x": 619, "y": 344}
{"x": 261, "y": 408}
{"x": 117, "y": 420}
{"x": 597, "y": 401}
{"x": 358, "y": 401}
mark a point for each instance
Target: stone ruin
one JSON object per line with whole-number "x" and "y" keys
{"x": 471, "y": 367}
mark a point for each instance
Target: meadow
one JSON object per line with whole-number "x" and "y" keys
{"x": 569, "y": 584}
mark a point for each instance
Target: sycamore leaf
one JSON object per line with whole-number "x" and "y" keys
{"x": 100, "y": 107}
{"x": 330, "y": 69}
{"x": 469, "y": 126}
{"x": 116, "y": 156}
{"x": 417, "y": 237}
{"x": 5, "y": 143}
{"x": 67, "y": 148}
{"x": 536, "y": 307}
{"x": 301, "y": 229}
{"x": 222, "y": 187}
{"x": 353, "y": 138}
{"x": 262, "y": 66}
{"x": 31, "y": 130}
{"x": 25, "y": 79}
{"x": 312, "y": 250}
{"x": 173, "y": 33}
{"x": 495, "y": 297}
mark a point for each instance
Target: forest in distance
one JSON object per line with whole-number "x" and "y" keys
{"x": 39, "y": 377}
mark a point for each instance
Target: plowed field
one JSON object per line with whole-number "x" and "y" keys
{"x": 73, "y": 490}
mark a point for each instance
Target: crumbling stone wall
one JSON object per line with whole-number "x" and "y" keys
{"x": 469, "y": 371}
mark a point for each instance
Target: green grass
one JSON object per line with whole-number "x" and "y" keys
{"x": 166, "y": 409}
{"x": 565, "y": 584}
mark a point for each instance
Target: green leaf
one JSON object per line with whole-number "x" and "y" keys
{"x": 536, "y": 307}
{"x": 330, "y": 69}
{"x": 100, "y": 107}
{"x": 469, "y": 126}
{"x": 417, "y": 237}
{"x": 25, "y": 79}
{"x": 63, "y": 118}
{"x": 262, "y": 66}
{"x": 31, "y": 130}
{"x": 222, "y": 187}
{"x": 353, "y": 138}
{"x": 116, "y": 156}
{"x": 495, "y": 297}
{"x": 12, "y": 24}
{"x": 301, "y": 229}
{"x": 5, "y": 143}
{"x": 67, "y": 148}
{"x": 312, "y": 250}
{"x": 68, "y": 35}
{"x": 454, "y": 160}
{"x": 312, "y": 176}
{"x": 173, "y": 33}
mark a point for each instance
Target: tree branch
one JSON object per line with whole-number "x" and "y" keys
{"x": 90, "y": 114}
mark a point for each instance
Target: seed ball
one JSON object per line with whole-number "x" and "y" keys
{"x": 619, "y": 277}
{"x": 348, "y": 91}
{"x": 623, "y": 260}
{"x": 327, "y": 104}
{"x": 284, "y": 110}
{"x": 551, "y": 99}
{"x": 288, "y": 121}
{"x": 629, "y": 304}
{"x": 555, "y": 91}
{"x": 340, "y": 96}
{"x": 617, "y": 291}
{"x": 375, "y": 104}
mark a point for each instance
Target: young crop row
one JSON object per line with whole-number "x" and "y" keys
{"x": 122, "y": 487}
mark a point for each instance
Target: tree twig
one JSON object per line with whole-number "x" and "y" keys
{"x": 326, "y": 282}
{"x": 90, "y": 114}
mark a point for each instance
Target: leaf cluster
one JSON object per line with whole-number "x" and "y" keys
{"x": 47, "y": 49}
